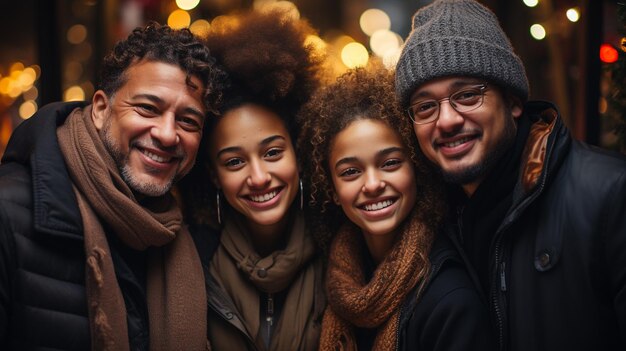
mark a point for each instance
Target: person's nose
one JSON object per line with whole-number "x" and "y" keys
{"x": 373, "y": 182}
{"x": 165, "y": 131}
{"x": 449, "y": 119}
{"x": 259, "y": 176}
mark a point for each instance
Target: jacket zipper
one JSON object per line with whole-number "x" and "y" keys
{"x": 502, "y": 265}
{"x": 269, "y": 315}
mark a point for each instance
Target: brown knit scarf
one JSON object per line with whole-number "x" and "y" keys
{"x": 176, "y": 296}
{"x": 235, "y": 266}
{"x": 353, "y": 302}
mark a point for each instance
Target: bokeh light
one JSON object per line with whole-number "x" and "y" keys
{"x": 373, "y": 20}
{"x": 77, "y": 34}
{"x": 200, "y": 27}
{"x": 316, "y": 42}
{"x": 289, "y": 7}
{"x": 179, "y": 19}
{"x": 608, "y": 54}
{"x": 74, "y": 93}
{"x": 31, "y": 94}
{"x": 187, "y": 4}
{"x": 531, "y": 3}
{"x": 354, "y": 55}
{"x": 573, "y": 14}
{"x": 384, "y": 41}
{"x": 27, "y": 109}
{"x": 537, "y": 31}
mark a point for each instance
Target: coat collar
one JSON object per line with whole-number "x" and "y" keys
{"x": 34, "y": 143}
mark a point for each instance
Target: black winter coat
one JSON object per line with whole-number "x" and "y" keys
{"x": 43, "y": 305}
{"x": 558, "y": 260}
{"x": 450, "y": 315}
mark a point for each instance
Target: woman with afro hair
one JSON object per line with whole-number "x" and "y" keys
{"x": 263, "y": 271}
{"x": 392, "y": 282}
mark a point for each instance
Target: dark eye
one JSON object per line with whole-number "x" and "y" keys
{"x": 425, "y": 108}
{"x": 393, "y": 163}
{"x": 189, "y": 123}
{"x": 349, "y": 172}
{"x": 233, "y": 163}
{"x": 467, "y": 97}
{"x": 274, "y": 153}
{"x": 147, "y": 108}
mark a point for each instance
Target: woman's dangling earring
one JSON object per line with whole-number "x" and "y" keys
{"x": 219, "y": 210}
{"x": 301, "y": 195}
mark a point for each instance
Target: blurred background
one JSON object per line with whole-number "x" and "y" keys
{"x": 574, "y": 51}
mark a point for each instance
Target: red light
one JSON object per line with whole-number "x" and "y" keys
{"x": 608, "y": 54}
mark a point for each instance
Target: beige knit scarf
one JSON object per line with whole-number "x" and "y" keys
{"x": 176, "y": 297}
{"x": 353, "y": 302}
{"x": 236, "y": 267}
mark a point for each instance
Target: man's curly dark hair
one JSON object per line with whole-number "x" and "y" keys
{"x": 362, "y": 93}
{"x": 161, "y": 43}
{"x": 270, "y": 64}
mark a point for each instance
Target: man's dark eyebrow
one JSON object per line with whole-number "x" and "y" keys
{"x": 455, "y": 85}
{"x": 158, "y": 100}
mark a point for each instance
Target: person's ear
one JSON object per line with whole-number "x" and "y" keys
{"x": 100, "y": 108}
{"x": 516, "y": 106}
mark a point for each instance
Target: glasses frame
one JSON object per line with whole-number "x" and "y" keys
{"x": 481, "y": 86}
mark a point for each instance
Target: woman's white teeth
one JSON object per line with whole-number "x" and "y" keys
{"x": 457, "y": 143}
{"x": 156, "y": 158}
{"x": 378, "y": 205}
{"x": 263, "y": 198}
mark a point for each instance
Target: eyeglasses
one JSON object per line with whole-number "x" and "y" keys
{"x": 464, "y": 100}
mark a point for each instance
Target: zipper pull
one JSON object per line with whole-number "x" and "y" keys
{"x": 503, "y": 276}
{"x": 270, "y": 316}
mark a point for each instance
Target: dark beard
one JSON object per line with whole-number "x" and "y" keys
{"x": 475, "y": 172}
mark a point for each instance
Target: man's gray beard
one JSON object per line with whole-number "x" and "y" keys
{"x": 121, "y": 161}
{"x": 475, "y": 172}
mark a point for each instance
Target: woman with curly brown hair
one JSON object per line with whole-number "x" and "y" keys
{"x": 264, "y": 276}
{"x": 392, "y": 282}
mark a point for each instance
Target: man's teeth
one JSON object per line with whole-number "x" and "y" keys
{"x": 378, "y": 205}
{"x": 456, "y": 143}
{"x": 263, "y": 198}
{"x": 156, "y": 158}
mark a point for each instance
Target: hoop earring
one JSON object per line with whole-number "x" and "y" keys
{"x": 219, "y": 211}
{"x": 301, "y": 195}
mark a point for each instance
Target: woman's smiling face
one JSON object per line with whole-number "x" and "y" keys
{"x": 255, "y": 164}
{"x": 373, "y": 176}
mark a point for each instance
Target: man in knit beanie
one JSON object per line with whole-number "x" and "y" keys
{"x": 539, "y": 216}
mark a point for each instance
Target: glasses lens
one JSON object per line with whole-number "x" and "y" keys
{"x": 423, "y": 111}
{"x": 467, "y": 99}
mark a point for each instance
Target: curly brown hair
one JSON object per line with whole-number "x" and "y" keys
{"x": 270, "y": 64}
{"x": 161, "y": 43}
{"x": 362, "y": 93}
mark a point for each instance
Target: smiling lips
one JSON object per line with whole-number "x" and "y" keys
{"x": 265, "y": 200}
{"x": 378, "y": 205}
{"x": 155, "y": 157}
{"x": 263, "y": 197}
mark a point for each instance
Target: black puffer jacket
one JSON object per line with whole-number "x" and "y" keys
{"x": 43, "y": 304}
{"x": 558, "y": 259}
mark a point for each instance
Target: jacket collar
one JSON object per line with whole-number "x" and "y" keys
{"x": 34, "y": 143}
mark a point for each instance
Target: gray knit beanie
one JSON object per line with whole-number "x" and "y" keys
{"x": 458, "y": 38}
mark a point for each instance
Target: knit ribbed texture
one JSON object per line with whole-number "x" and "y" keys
{"x": 458, "y": 38}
